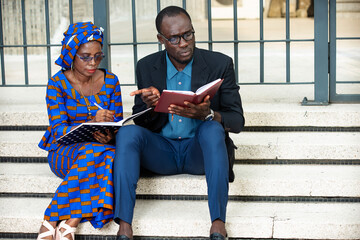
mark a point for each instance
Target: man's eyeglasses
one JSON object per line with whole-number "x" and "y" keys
{"x": 175, "y": 40}
{"x": 98, "y": 57}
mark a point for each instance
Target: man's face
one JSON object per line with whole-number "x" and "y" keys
{"x": 182, "y": 53}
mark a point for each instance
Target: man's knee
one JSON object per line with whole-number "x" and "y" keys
{"x": 211, "y": 131}
{"x": 129, "y": 134}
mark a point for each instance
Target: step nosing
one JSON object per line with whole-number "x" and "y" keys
{"x": 246, "y": 128}
{"x": 302, "y": 199}
{"x": 26, "y": 236}
{"x": 9, "y": 159}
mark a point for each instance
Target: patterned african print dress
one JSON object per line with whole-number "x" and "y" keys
{"x": 87, "y": 189}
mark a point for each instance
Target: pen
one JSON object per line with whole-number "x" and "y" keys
{"x": 95, "y": 103}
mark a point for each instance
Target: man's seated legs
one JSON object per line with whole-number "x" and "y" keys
{"x": 210, "y": 137}
{"x": 135, "y": 146}
{"x": 205, "y": 153}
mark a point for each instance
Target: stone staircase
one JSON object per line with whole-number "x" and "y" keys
{"x": 297, "y": 174}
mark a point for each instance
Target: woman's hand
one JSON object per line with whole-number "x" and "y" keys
{"x": 103, "y": 115}
{"x": 103, "y": 138}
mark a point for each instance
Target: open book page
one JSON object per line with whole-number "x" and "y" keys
{"x": 169, "y": 97}
{"x": 207, "y": 86}
{"x": 84, "y": 132}
{"x": 181, "y": 92}
{"x": 119, "y": 123}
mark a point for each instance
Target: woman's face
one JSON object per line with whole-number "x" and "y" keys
{"x": 88, "y": 58}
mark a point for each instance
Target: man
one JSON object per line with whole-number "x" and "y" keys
{"x": 192, "y": 139}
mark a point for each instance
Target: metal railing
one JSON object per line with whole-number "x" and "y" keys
{"x": 102, "y": 18}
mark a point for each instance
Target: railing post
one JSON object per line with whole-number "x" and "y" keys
{"x": 321, "y": 78}
{"x": 101, "y": 19}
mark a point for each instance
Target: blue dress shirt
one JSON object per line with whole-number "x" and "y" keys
{"x": 179, "y": 127}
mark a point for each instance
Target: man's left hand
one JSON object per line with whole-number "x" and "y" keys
{"x": 196, "y": 111}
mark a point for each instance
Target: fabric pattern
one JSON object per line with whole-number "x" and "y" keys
{"x": 77, "y": 34}
{"x": 87, "y": 189}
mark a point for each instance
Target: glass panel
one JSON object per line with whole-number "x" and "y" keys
{"x": 165, "y": 3}
{"x": 347, "y": 19}
{"x": 249, "y": 63}
{"x": 37, "y": 67}
{"x": 146, "y": 49}
{"x": 145, "y": 21}
{"x": 223, "y": 30}
{"x": 275, "y": 62}
{"x": 12, "y": 25}
{"x": 353, "y": 88}
{"x": 122, "y": 63}
{"x": 120, "y": 21}
{"x": 225, "y": 48}
{"x": 55, "y": 53}
{"x": 58, "y": 20}
{"x": 1, "y": 80}
{"x": 198, "y": 12}
{"x": 83, "y": 11}
{"x": 14, "y": 66}
{"x": 302, "y": 28}
{"x": 202, "y": 45}
{"x": 347, "y": 62}
{"x": 248, "y": 29}
{"x": 302, "y": 62}
{"x": 274, "y": 28}
{"x": 35, "y": 24}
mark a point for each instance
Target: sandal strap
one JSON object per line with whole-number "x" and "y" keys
{"x": 51, "y": 231}
{"x": 68, "y": 230}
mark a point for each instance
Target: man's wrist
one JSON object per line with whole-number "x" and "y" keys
{"x": 210, "y": 116}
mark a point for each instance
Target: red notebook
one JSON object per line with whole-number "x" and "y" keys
{"x": 178, "y": 97}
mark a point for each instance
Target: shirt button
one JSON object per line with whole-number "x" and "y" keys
{"x": 179, "y": 137}
{"x": 179, "y": 83}
{"x": 180, "y": 120}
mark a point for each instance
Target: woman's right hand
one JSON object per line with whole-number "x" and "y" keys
{"x": 150, "y": 95}
{"x": 103, "y": 115}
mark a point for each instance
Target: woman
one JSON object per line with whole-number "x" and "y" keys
{"x": 78, "y": 93}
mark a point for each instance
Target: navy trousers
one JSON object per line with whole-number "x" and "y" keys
{"x": 203, "y": 154}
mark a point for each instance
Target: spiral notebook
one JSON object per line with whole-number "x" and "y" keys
{"x": 84, "y": 132}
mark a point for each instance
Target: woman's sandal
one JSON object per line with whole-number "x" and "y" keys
{"x": 51, "y": 231}
{"x": 68, "y": 230}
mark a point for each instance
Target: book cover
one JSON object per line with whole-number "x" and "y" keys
{"x": 84, "y": 132}
{"x": 178, "y": 97}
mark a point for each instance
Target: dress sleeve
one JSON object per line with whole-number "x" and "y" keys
{"x": 116, "y": 101}
{"x": 58, "y": 118}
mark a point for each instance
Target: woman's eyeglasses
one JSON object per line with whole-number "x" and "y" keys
{"x": 98, "y": 57}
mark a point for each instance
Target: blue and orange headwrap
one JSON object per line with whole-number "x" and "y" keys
{"x": 77, "y": 34}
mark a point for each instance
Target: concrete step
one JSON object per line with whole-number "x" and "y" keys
{"x": 251, "y": 180}
{"x": 178, "y": 219}
{"x": 264, "y": 105}
{"x": 256, "y": 114}
{"x": 251, "y": 145}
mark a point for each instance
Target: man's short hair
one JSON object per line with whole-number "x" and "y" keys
{"x": 169, "y": 11}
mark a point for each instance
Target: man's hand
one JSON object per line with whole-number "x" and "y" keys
{"x": 196, "y": 111}
{"x": 150, "y": 95}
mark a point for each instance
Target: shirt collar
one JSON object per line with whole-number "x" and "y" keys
{"x": 172, "y": 71}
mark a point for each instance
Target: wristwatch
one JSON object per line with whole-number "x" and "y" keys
{"x": 210, "y": 117}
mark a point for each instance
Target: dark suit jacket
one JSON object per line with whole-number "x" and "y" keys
{"x": 207, "y": 66}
